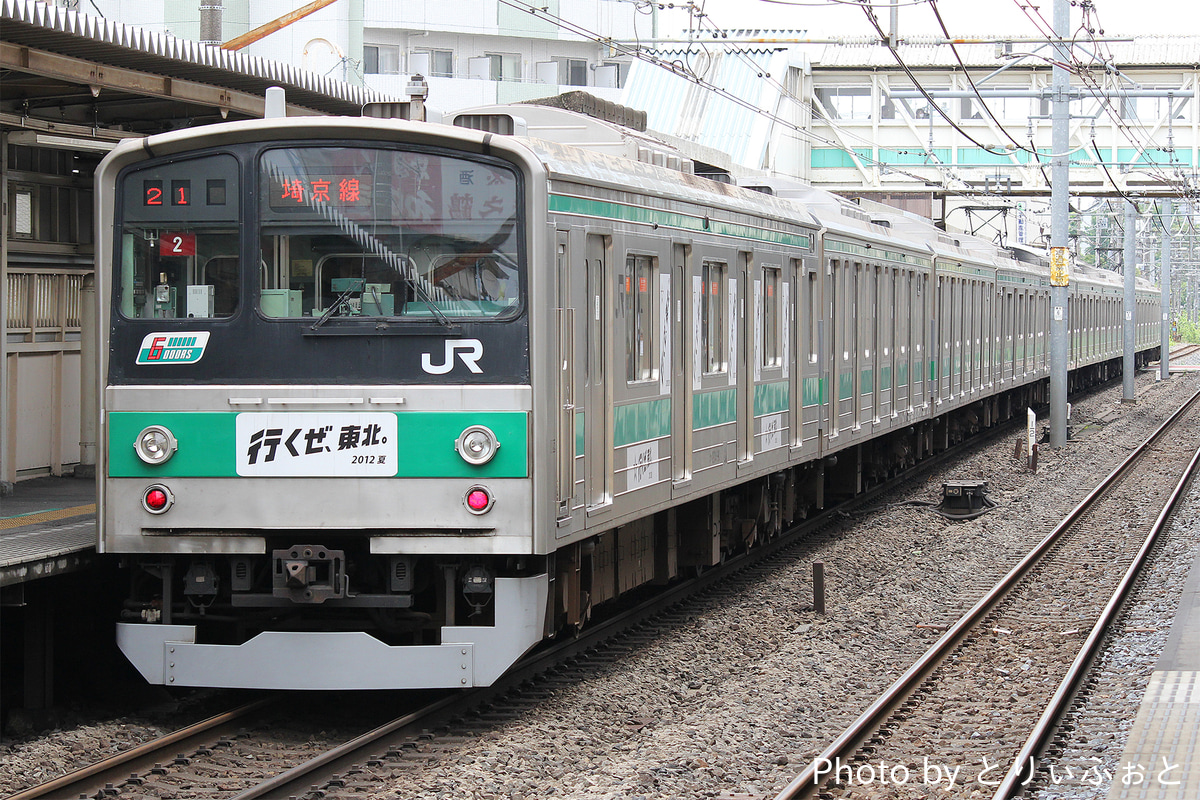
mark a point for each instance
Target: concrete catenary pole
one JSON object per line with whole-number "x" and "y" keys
{"x": 1165, "y": 277}
{"x": 1059, "y": 217}
{"x": 1130, "y": 330}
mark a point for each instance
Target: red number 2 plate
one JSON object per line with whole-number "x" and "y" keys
{"x": 177, "y": 244}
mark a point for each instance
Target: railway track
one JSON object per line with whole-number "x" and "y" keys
{"x": 155, "y": 757}
{"x": 1185, "y": 351}
{"x": 973, "y": 715}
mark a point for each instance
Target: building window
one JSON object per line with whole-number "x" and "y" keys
{"x": 618, "y": 69}
{"x": 572, "y": 72}
{"x": 432, "y": 63}
{"x": 381, "y": 59}
{"x": 504, "y": 66}
{"x": 846, "y": 102}
{"x": 712, "y": 317}
{"x": 443, "y": 63}
{"x": 640, "y": 291}
{"x": 1153, "y": 109}
{"x": 919, "y": 108}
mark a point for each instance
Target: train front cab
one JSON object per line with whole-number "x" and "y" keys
{"x": 319, "y": 470}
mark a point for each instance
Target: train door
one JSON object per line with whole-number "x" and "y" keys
{"x": 958, "y": 369}
{"x": 599, "y": 356}
{"x": 845, "y": 316}
{"x": 855, "y": 293}
{"x": 805, "y": 380}
{"x": 1009, "y": 334}
{"x": 565, "y": 363}
{"x": 902, "y": 344}
{"x": 742, "y": 352}
{"x": 942, "y": 340}
{"x": 925, "y": 336}
{"x": 986, "y": 295}
{"x": 770, "y": 390}
{"x": 829, "y": 323}
{"x": 686, "y": 299}
{"x": 976, "y": 333}
{"x": 885, "y": 342}
{"x": 868, "y": 348}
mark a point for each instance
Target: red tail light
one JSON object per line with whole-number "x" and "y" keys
{"x": 478, "y": 500}
{"x": 157, "y": 499}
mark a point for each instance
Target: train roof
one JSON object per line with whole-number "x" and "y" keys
{"x": 576, "y": 146}
{"x": 599, "y": 153}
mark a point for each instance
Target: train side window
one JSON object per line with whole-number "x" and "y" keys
{"x": 639, "y": 290}
{"x": 770, "y": 305}
{"x": 712, "y": 316}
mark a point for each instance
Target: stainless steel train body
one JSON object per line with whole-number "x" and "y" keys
{"x": 385, "y": 403}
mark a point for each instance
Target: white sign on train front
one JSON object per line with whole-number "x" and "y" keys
{"x": 316, "y": 444}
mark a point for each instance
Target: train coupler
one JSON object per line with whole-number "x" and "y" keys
{"x": 308, "y": 574}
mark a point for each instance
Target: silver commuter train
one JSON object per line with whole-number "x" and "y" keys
{"x": 384, "y": 404}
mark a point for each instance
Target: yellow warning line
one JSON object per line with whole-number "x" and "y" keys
{"x": 46, "y": 516}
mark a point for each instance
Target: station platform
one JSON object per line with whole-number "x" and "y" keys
{"x": 47, "y": 527}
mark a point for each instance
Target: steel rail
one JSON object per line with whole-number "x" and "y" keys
{"x": 806, "y": 783}
{"x": 97, "y": 773}
{"x": 1039, "y": 738}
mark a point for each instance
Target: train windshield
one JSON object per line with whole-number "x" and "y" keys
{"x": 359, "y": 232}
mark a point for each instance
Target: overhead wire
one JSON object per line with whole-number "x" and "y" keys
{"x": 698, "y": 19}
{"x": 721, "y": 34}
{"x": 1135, "y": 131}
{"x": 932, "y": 103}
{"x": 680, "y": 70}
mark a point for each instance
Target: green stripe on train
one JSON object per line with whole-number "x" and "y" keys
{"x": 670, "y": 219}
{"x": 771, "y": 398}
{"x": 813, "y": 392}
{"x": 714, "y": 408}
{"x": 208, "y": 446}
{"x": 639, "y": 422}
{"x": 845, "y": 385}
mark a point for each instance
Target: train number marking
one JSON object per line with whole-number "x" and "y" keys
{"x": 772, "y": 432}
{"x": 643, "y": 465}
{"x": 469, "y": 350}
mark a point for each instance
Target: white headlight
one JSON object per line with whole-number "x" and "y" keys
{"x": 477, "y": 445}
{"x": 155, "y": 445}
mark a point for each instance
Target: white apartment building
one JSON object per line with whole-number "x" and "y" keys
{"x": 471, "y": 52}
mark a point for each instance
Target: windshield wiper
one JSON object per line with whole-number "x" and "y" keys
{"x": 335, "y": 306}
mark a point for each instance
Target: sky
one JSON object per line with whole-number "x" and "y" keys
{"x": 966, "y": 18}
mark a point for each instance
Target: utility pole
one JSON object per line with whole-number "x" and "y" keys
{"x": 1165, "y": 355}
{"x": 1129, "y": 329}
{"x": 1060, "y": 177}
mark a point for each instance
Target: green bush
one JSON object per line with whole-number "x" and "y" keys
{"x": 1188, "y": 331}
